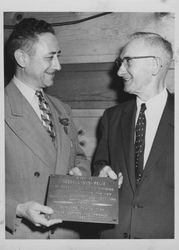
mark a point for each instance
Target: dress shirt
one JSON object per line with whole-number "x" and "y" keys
{"x": 155, "y": 107}
{"x": 29, "y": 94}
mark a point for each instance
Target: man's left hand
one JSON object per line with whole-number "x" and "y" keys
{"x": 75, "y": 171}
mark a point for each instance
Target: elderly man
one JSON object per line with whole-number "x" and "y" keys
{"x": 40, "y": 136}
{"x": 137, "y": 139}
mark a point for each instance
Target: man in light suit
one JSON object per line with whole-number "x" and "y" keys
{"x": 146, "y": 198}
{"x": 34, "y": 150}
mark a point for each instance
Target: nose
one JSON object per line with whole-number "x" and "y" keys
{"x": 121, "y": 70}
{"x": 56, "y": 64}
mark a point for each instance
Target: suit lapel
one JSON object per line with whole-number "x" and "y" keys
{"x": 25, "y": 123}
{"x": 62, "y": 139}
{"x": 161, "y": 138}
{"x": 127, "y": 130}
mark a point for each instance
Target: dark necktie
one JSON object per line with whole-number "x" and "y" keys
{"x": 46, "y": 115}
{"x": 140, "y": 143}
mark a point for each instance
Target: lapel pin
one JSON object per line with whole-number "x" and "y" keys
{"x": 65, "y": 123}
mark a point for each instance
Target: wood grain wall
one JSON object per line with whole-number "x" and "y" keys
{"x": 93, "y": 85}
{"x": 98, "y": 39}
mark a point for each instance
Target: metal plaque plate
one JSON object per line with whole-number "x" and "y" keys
{"x": 84, "y": 199}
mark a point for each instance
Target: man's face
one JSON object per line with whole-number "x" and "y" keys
{"x": 43, "y": 61}
{"x": 137, "y": 73}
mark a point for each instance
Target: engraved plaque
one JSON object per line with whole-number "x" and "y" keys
{"x": 85, "y": 199}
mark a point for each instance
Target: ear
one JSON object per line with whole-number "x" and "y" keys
{"x": 21, "y": 57}
{"x": 156, "y": 66}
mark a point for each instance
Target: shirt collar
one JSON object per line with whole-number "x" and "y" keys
{"x": 156, "y": 101}
{"x": 26, "y": 90}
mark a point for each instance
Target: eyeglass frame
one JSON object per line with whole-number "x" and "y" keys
{"x": 120, "y": 61}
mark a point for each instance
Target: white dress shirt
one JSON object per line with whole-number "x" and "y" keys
{"x": 153, "y": 114}
{"x": 29, "y": 94}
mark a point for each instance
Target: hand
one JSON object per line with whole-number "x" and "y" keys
{"x": 75, "y": 171}
{"x": 108, "y": 172}
{"x": 36, "y": 213}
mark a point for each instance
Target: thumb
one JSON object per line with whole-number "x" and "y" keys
{"x": 46, "y": 210}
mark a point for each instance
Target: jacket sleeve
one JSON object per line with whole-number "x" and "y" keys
{"x": 101, "y": 157}
{"x": 10, "y": 218}
{"x": 12, "y": 190}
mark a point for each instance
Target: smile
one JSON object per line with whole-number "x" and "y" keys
{"x": 51, "y": 74}
{"x": 126, "y": 79}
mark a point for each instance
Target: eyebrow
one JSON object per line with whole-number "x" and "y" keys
{"x": 54, "y": 52}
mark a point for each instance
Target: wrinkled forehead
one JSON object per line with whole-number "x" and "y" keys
{"x": 138, "y": 47}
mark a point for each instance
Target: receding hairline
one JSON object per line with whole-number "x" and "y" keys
{"x": 155, "y": 41}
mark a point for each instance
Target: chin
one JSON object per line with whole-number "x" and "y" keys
{"x": 48, "y": 84}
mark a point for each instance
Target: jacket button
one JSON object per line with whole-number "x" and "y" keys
{"x": 126, "y": 236}
{"x": 82, "y": 143}
{"x": 36, "y": 174}
{"x": 137, "y": 206}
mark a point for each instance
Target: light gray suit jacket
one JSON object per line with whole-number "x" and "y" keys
{"x": 31, "y": 157}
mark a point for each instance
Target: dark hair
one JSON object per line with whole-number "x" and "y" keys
{"x": 155, "y": 40}
{"x": 25, "y": 34}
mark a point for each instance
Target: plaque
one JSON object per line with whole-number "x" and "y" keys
{"x": 83, "y": 199}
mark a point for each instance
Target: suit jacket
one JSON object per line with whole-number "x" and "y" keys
{"x": 31, "y": 157}
{"x": 148, "y": 210}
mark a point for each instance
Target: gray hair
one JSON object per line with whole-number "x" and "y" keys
{"x": 156, "y": 41}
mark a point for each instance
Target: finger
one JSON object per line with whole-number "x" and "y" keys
{"x": 120, "y": 179}
{"x": 77, "y": 171}
{"x": 104, "y": 171}
{"x": 39, "y": 208}
{"x": 54, "y": 221}
{"x": 71, "y": 172}
{"x": 119, "y": 175}
{"x": 46, "y": 210}
{"x": 41, "y": 220}
{"x": 112, "y": 174}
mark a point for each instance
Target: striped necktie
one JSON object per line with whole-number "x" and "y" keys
{"x": 46, "y": 115}
{"x": 140, "y": 143}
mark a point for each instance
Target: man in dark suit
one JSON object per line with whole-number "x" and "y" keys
{"x": 40, "y": 136}
{"x": 138, "y": 144}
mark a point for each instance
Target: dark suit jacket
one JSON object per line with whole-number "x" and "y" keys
{"x": 31, "y": 157}
{"x": 148, "y": 210}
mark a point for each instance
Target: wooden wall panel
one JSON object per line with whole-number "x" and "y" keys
{"x": 93, "y": 86}
{"x": 99, "y": 39}
{"x": 86, "y": 122}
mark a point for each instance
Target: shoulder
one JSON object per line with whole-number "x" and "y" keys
{"x": 118, "y": 109}
{"x": 9, "y": 88}
{"x": 12, "y": 95}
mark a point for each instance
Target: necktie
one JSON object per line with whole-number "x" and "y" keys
{"x": 46, "y": 115}
{"x": 140, "y": 143}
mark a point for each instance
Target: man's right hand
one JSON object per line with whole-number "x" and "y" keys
{"x": 36, "y": 213}
{"x": 107, "y": 171}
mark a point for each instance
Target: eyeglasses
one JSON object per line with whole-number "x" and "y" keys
{"x": 127, "y": 60}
